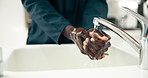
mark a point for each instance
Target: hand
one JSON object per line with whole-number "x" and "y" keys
{"x": 77, "y": 35}
{"x": 97, "y": 44}
{"x": 90, "y": 43}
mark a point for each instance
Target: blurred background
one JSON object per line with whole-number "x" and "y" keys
{"x": 14, "y": 19}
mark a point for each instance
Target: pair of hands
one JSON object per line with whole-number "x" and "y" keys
{"x": 91, "y": 43}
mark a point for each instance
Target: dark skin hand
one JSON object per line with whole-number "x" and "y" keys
{"x": 97, "y": 44}
{"x": 91, "y": 43}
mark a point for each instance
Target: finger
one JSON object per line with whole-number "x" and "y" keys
{"x": 100, "y": 51}
{"x": 97, "y": 46}
{"x": 103, "y": 56}
{"x": 84, "y": 44}
{"x": 106, "y": 47}
{"x": 100, "y": 43}
{"x": 79, "y": 41}
{"x": 100, "y": 55}
{"x": 75, "y": 40}
{"x": 78, "y": 37}
{"x": 96, "y": 31}
{"x": 97, "y": 43}
{"x": 102, "y": 34}
{"x": 90, "y": 51}
{"x": 106, "y": 35}
{"x": 73, "y": 35}
{"x": 82, "y": 32}
{"x": 90, "y": 45}
{"x": 91, "y": 56}
{"x": 84, "y": 35}
{"x": 96, "y": 35}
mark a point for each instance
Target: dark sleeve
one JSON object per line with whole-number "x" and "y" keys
{"x": 47, "y": 18}
{"x": 93, "y": 8}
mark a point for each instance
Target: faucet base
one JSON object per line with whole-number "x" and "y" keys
{"x": 144, "y": 54}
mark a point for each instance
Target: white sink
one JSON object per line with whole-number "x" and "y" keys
{"x": 57, "y": 57}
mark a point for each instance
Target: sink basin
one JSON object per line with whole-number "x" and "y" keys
{"x": 68, "y": 56}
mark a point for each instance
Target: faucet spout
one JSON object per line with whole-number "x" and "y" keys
{"x": 142, "y": 47}
{"x": 141, "y": 19}
{"x": 120, "y": 32}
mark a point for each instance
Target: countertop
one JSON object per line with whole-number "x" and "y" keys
{"x": 107, "y": 72}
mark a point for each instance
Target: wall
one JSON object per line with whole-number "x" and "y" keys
{"x": 123, "y": 19}
{"x": 12, "y": 23}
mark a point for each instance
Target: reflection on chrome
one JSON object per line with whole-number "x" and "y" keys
{"x": 140, "y": 47}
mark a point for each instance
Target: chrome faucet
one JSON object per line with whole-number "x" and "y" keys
{"x": 140, "y": 47}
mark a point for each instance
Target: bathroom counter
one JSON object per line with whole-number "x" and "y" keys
{"x": 110, "y": 72}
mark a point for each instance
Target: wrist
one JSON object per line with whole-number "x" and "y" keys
{"x": 67, "y": 31}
